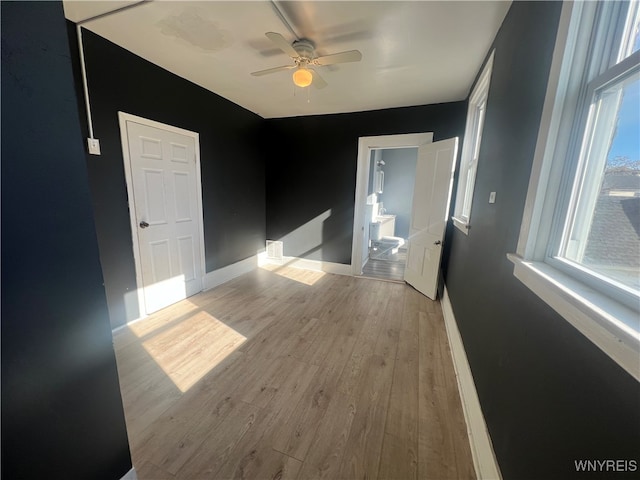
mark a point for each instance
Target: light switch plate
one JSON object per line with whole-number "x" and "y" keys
{"x": 492, "y": 197}
{"x": 94, "y": 146}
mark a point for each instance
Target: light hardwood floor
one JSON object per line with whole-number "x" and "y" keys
{"x": 384, "y": 270}
{"x": 386, "y": 266}
{"x": 286, "y": 373}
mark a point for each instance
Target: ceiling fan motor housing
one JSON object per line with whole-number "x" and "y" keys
{"x": 306, "y": 51}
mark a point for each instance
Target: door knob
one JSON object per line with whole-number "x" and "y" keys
{"x": 143, "y": 224}
{"x": 437, "y": 242}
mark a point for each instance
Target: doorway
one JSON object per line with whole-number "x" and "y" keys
{"x": 388, "y": 212}
{"x": 370, "y": 177}
{"x": 162, "y": 170}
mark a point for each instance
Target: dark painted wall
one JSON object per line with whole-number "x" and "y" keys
{"x": 62, "y": 413}
{"x": 232, "y": 165}
{"x": 311, "y": 170}
{"x": 399, "y": 177}
{"x": 549, "y": 395}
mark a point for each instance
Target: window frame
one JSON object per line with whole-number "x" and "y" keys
{"x": 576, "y": 294}
{"x": 556, "y": 245}
{"x": 476, "y": 117}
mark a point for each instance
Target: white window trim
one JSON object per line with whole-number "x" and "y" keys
{"x": 601, "y": 319}
{"x": 466, "y": 185}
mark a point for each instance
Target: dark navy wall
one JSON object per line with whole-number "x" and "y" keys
{"x": 232, "y": 165}
{"x": 62, "y": 414}
{"x": 549, "y": 395}
{"x": 311, "y": 172}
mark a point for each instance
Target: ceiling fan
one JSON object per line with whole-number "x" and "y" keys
{"x": 304, "y": 57}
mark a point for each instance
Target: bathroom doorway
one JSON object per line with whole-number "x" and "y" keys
{"x": 384, "y": 195}
{"x": 388, "y": 211}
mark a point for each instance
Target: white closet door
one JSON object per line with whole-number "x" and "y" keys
{"x": 163, "y": 173}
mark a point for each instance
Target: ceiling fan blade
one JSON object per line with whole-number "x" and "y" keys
{"x": 282, "y": 44}
{"x": 342, "y": 57}
{"x": 318, "y": 82}
{"x": 272, "y": 70}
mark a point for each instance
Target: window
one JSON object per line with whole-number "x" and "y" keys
{"x": 471, "y": 148}
{"x": 579, "y": 247}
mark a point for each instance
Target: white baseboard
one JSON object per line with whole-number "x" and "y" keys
{"x": 314, "y": 265}
{"x": 484, "y": 459}
{"x": 130, "y": 475}
{"x": 224, "y": 274}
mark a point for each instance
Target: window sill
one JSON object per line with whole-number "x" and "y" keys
{"x": 461, "y": 224}
{"x": 602, "y": 320}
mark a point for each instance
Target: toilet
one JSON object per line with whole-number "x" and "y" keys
{"x": 384, "y": 244}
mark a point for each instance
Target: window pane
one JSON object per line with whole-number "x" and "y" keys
{"x": 468, "y": 194}
{"x": 631, "y": 37}
{"x": 605, "y": 230}
{"x": 479, "y": 124}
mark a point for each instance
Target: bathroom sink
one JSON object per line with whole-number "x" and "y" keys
{"x": 383, "y": 226}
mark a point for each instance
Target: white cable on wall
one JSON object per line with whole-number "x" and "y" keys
{"x": 85, "y": 88}
{"x": 92, "y": 143}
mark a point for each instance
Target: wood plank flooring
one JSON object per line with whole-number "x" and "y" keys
{"x": 385, "y": 265}
{"x": 286, "y": 373}
{"x": 383, "y": 270}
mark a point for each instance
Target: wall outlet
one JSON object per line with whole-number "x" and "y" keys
{"x": 492, "y": 197}
{"x": 94, "y": 146}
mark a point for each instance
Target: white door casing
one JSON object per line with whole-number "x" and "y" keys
{"x": 365, "y": 146}
{"x": 429, "y": 215}
{"x": 165, "y": 203}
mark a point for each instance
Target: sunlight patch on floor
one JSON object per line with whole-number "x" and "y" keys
{"x": 160, "y": 319}
{"x": 307, "y": 277}
{"x": 189, "y": 350}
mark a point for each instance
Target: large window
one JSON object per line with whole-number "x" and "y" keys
{"x": 580, "y": 242}
{"x": 598, "y": 231}
{"x": 471, "y": 148}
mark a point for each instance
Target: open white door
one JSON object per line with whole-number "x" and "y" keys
{"x": 163, "y": 177}
{"x": 431, "y": 197}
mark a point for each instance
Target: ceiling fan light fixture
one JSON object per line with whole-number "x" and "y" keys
{"x": 302, "y": 77}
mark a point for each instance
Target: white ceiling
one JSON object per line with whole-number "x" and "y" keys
{"x": 414, "y": 53}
